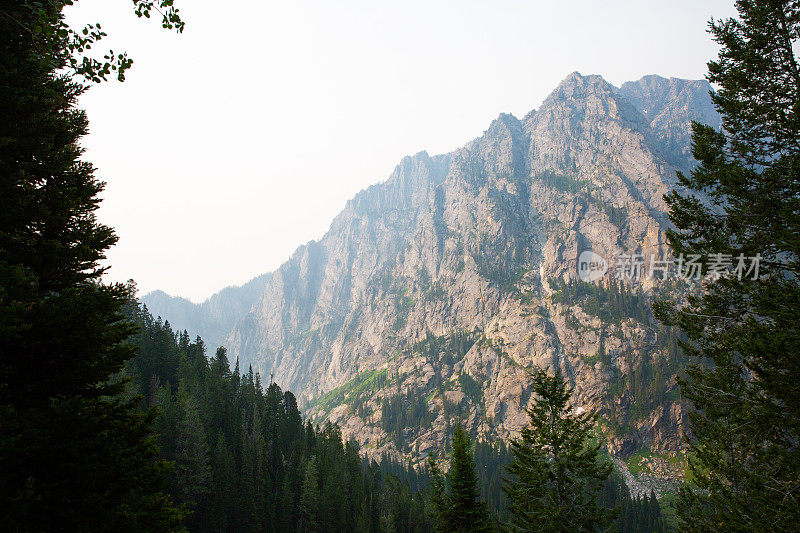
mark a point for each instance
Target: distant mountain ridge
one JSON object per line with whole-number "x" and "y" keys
{"x": 434, "y": 292}
{"x": 667, "y": 105}
{"x": 213, "y": 318}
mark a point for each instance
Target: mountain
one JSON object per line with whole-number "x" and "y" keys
{"x": 435, "y": 292}
{"x": 668, "y": 104}
{"x": 213, "y": 318}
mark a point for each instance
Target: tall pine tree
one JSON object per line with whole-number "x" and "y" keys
{"x": 455, "y": 498}
{"x": 192, "y": 471}
{"x": 744, "y": 329}
{"x": 556, "y": 474}
{"x": 76, "y": 453}
{"x": 310, "y": 500}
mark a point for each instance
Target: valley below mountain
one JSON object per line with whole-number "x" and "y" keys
{"x": 435, "y": 293}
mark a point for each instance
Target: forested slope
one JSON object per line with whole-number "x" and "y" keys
{"x": 245, "y": 460}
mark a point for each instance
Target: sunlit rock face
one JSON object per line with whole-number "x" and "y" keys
{"x": 434, "y": 293}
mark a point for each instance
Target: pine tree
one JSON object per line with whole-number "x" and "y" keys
{"x": 467, "y": 511}
{"x": 223, "y": 479}
{"x": 268, "y": 470}
{"x": 437, "y": 496}
{"x": 76, "y": 453}
{"x": 556, "y": 473}
{"x": 192, "y": 467}
{"x": 455, "y": 498}
{"x": 287, "y": 506}
{"x": 220, "y": 364}
{"x": 310, "y": 499}
{"x": 745, "y": 333}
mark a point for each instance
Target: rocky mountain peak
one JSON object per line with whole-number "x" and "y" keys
{"x": 652, "y": 93}
{"x": 505, "y": 122}
{"x": 670, "y": 105}
{"x": 580, "y": 98}
{"x": 440, "y": 288}
{"x": 576, "y": 85}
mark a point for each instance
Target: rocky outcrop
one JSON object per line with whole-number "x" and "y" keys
{"x": 434, "y": 293}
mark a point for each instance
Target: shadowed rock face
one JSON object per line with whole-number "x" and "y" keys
{"x": 215, "y": 317}
{"x": 437, "y": 285}
{"x": 670, "y": 105}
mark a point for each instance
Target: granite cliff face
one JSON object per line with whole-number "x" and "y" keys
{"x": 434, "y": 293}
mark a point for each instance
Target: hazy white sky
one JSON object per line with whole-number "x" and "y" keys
{"x": 232, "y": 144}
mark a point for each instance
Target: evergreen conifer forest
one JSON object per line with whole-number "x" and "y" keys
{"x": 244, "y": 459}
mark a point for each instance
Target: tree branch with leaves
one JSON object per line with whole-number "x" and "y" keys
{"x": 65, "y": 48}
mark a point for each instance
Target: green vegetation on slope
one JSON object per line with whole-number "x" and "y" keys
{"x": 349, "y": 393}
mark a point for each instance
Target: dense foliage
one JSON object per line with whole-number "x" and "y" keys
{"x": 635, "y": 514}
{"x": 612, "y": 304}
{"x": 75, "y": 453}
{"x": 243, "y": 458}
{"x": 557, "y": 472}
{"x": 403, "y": 410}
{"x": 455, "y": 497}
{"x": 492, "y": 459}
{"x": 745, "y": 333}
